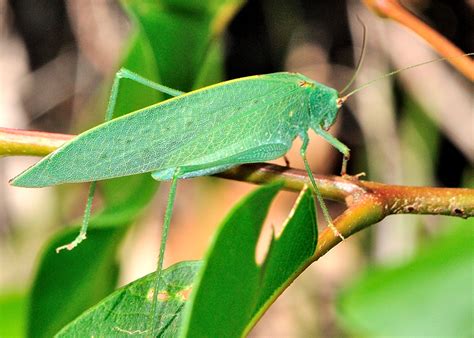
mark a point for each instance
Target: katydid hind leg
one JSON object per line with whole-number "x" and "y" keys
{"x": 124, "y": 73}
{"x": 87, "y": 212}
{"x": 85, "y": 222}
{"x": 324, "y": 208}
{"x": 261, "y": 153}
{"x": 255, "y": 154}
{"x": 164, "y": 237}
{"x": 346, "y": 152}
{"x": 121, "y": 74}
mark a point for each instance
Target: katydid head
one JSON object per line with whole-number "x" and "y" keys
{"x": 323, "y": 103}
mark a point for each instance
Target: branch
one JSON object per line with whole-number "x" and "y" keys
{"x": 367, "y": 202}
{"x": 29, "y": 143}
{"x": 392, "y": 9}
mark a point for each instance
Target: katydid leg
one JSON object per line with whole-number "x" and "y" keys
{"x": 346, "y": 152}
{"x": 85, "y": 221}
{"x": 124, "y": 73}
{"x": 260, "y": 153}
{"x": 324, "y": 208}
{"x": 164, "y": 237}
{"x": 121, "y": 74}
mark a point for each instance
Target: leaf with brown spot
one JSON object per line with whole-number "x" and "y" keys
{"x": 123, "y": 312}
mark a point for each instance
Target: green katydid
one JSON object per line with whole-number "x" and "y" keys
{"x": 206, "y": 131}
{"x": 252, "y": 119}
{"x": 203, "y": 132}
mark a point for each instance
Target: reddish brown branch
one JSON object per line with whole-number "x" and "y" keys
{"x": 394, "y": 10}
{"x": 367, "y": 202}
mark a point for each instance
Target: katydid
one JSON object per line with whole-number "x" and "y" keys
{"x": 206, "y": 131}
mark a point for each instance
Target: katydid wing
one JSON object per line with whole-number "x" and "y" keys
{"x": 246, "y": 120}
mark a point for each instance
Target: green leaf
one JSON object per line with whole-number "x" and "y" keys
{"x": 12, "y": 314}
{"x": 124, "y": 312}
{"x": 68, "y": 283}
{"x": 180, "y": 33}
{"x": 429, "y": 296}
{"x": 232, "y": 291}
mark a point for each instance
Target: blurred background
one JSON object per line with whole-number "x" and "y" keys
{"x": 57, "y": 59}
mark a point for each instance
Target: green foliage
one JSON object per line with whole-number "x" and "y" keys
{"x": 231, "y": 291}
{"x": 12, "y": 309}
{"x": 125, "y": 311}
{"x": 178, "y": 43}
{"x": 429, "y": 296}
{"x": 67, "y": 284}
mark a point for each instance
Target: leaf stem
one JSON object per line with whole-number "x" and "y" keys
{"x": 392, "y": 9}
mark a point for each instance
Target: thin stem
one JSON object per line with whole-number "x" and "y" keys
{"x": 14, "y": 142}
{"x": 358, "y": 216}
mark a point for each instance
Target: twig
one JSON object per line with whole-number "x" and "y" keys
{"x": 367, "y": 202}
{"x": 392, "y": 9}
{"x": 29, "y": 143}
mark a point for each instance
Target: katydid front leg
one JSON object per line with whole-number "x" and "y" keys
{"x": 346, "y": 152}
{"x": 324, "y": 208}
